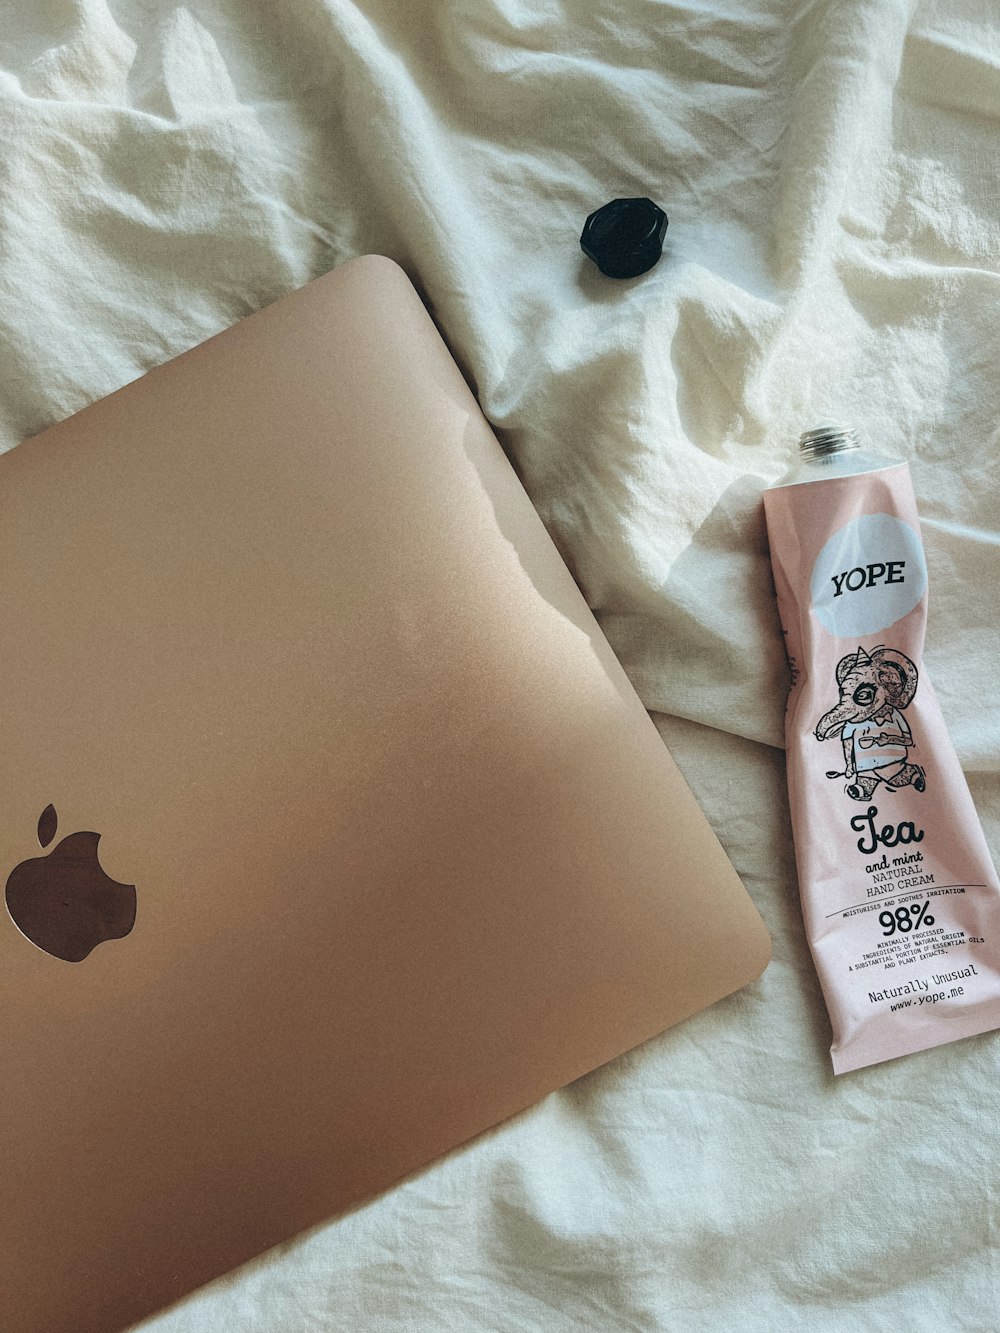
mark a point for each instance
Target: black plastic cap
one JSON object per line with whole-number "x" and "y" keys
{"x": 625, "y": 237}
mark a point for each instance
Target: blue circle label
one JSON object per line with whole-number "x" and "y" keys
{"x": 870, "y": 574}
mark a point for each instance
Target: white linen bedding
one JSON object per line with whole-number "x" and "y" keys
{"x": 829, "y": 170}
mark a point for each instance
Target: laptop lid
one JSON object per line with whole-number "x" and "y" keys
{"x": 339, "y": 829}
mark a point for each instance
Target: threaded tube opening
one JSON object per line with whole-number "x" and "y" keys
{"x": 832, "y": 438}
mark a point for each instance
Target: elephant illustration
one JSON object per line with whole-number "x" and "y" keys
{"x": 874, "y": 688}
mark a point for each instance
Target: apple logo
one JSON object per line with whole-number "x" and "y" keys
{"x": 64, "y": 902}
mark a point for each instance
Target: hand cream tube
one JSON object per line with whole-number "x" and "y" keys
{"x": 900, "y": 898}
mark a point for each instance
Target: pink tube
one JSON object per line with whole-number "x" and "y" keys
{"x": 899, "y": 894}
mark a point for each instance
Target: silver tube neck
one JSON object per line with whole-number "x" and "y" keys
{"x": 833, "y": 438}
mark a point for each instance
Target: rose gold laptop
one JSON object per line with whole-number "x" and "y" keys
{"x": 333, "y": 832}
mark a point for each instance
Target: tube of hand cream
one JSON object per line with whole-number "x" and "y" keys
{"x": 900, "y": 897}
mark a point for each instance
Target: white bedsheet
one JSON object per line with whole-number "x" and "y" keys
{"x": 830, "y": 172}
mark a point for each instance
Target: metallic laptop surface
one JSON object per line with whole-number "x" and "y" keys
{"x": 333, "y": 830}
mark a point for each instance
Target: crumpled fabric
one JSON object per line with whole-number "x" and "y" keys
{"x": 829, "y": 170}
